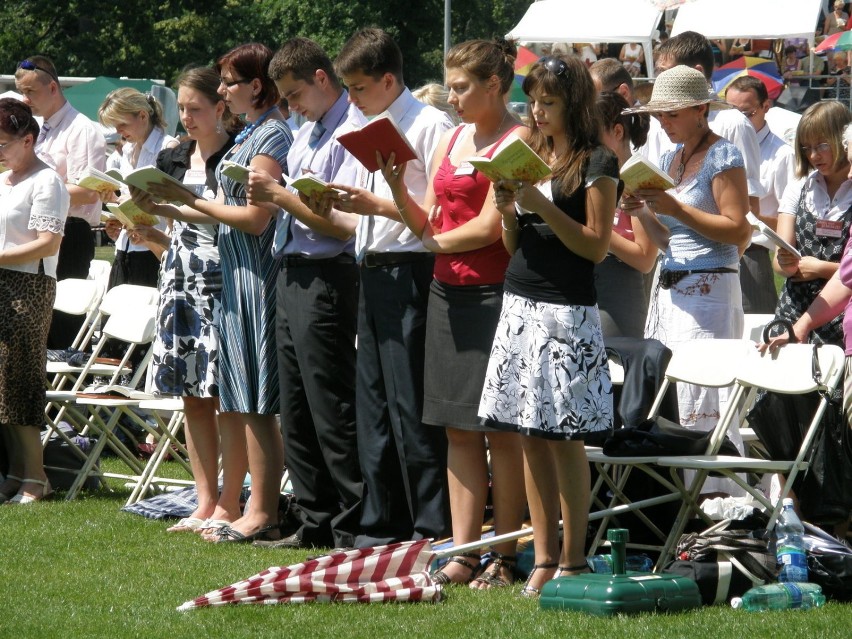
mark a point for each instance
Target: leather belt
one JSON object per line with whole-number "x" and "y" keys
{"x": 670, "y": 278}
{"x": 301, "y": 260}
{"x": 376, "y": 260}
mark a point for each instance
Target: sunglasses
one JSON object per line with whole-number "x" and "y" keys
{"x": 28, "y": 65}
{"x": 554, "y": 65}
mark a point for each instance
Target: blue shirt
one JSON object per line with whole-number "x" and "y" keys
{"x": 329, "y": 161}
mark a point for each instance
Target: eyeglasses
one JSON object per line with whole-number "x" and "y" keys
{"x": 748, "y": 114}
{"x": 822, "y": 147}
{"x": 232, "y": 83}
{"x": 554, "y": 65}
{"x": 28, "y": 65}
{"x": 3, "y": 146}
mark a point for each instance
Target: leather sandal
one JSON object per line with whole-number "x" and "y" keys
{"x": 232, "y": 535}
{"x": 529, "y": 590}
{"x": 439, "y": 577}
{"x": 492, "y": 577}
{"x": 572, "y": 571}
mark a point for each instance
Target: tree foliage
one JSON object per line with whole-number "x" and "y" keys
{"x": 157, "y": 38}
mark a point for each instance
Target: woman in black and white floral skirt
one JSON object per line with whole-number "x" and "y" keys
{"x": 547, "y": 376}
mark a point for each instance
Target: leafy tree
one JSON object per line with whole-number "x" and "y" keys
{"x": 157, "y": 38}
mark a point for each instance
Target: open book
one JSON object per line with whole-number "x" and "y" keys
{"x": 113, "y": 391}
{"x": 512, "y": 160}
{"x": 380, "y": 134}
{"x": 141, "y": 178}
{"x": 640, "y": 173}
{"x": 773, "y": 237}
{"x": 237, "y": 172}
{"x": 130, "y": 215}
{"x": 310, "y": 184}
{"x": 96, "y": 180}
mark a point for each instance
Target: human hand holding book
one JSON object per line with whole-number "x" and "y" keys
{"x": 773, "y": 237}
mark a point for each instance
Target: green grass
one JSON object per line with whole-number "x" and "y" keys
{"x": 105, "y": 253}
{"x": 85, "y": 569}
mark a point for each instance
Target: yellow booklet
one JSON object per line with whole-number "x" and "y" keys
{"x": 512, "y": 160}
{"x": 130, "y": 215}
{"x": 640, "y": 173}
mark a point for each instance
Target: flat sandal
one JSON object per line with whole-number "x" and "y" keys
{"x": 529, "y": 590}
{"x": 491, "y": 575}
{"x": 439, "y": 577}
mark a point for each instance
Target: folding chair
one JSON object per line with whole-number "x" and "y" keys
{"x": 79, "y": 297}
{"x": 788, "y": 370}
{"x": 753, "y": 324}
{"x": 712, "y": 363}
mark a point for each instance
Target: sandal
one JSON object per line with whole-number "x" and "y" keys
{"x": 440, "y": 578}
{"x": 232, "y": 535}
{"x": 529, "y": 590}
{"x": 573, "y": 571}
{"x": 187, "y": 524}
{"x": 492, "y": 577}
{"x": 23, "y": 498}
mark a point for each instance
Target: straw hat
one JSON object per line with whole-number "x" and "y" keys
{"x": 678, "y": 88}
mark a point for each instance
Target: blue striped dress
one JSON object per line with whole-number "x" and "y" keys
{"x": 248, "y": 369}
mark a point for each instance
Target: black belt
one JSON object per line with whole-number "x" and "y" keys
{"x": 670, "y": 278}
{"x": 375, "y": 260}
{"x": 756, "y": 248}
{"x": 301, "y": 260}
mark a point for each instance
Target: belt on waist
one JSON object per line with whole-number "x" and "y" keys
{"x": 752, "y": 248}
{"x": 670, "y": 278}
{"x": 301, "y": 260}
{"x": 375, "y": 260}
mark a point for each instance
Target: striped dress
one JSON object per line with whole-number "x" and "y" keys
{"x": 248, "y": 370}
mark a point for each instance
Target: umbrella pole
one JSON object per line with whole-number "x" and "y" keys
{"x": 498, "y": 539}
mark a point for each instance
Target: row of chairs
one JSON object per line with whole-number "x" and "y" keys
{"x": 126, "y": 314}
{"x": 716, "y": 363}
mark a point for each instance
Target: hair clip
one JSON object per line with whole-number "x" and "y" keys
{"x": 14, "y": 121}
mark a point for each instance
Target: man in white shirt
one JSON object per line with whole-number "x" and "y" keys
{"x": 777, "y": 168}
{"x": 403, "y": 462}
{"x": 69, "y": 142}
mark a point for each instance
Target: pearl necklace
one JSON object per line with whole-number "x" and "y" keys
{"x": 243, "y": 135}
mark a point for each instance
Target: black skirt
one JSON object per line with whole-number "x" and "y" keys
{"x": 460, "y": 326}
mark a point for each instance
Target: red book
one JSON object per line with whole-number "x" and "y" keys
{"x": 381, "y": 134}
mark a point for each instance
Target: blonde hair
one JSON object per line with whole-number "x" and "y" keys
{"x": 125, "y": 102}
{"x": 436, "y": 95}
{"x": 822, "y": 122}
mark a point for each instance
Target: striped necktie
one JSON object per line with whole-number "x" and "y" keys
{"x": 316, "y": 134}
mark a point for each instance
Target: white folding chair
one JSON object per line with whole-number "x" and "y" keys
{"x": 753, "y": 324}
{"x": 711, "y": 363}
{"x": 99, "y": 271}
{"x": 787, "y": 370}
{"x": 79, "y": 297}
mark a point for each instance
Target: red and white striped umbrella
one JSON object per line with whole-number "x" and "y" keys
{"x": 396, "y": 572}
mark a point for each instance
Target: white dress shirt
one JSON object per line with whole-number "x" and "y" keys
{"x": 777, "y": 170}
{"x": 72, "y": 143}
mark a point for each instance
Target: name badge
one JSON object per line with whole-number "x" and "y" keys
{"x": 829, "y": 228}
{"x": 465, "y": 168}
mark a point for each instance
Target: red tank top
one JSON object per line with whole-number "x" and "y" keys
{"x": 461, "y": 198}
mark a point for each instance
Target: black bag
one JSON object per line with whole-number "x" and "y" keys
{"x": 725, "y": 563}
{"x": 661, "y": 437}
{"x": 833, "y": 573}
{"x": 62, "y": 463}
{"x": 780, "y": 422}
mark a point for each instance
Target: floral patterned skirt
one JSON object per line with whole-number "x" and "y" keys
{"x": 547, "y": 375}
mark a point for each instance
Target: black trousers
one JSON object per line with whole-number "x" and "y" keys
{"x": 76, "y": 252}
{"x": 758, "y": 281}
{"x": 403, "y": 462}
{"x": 316, "y": 311}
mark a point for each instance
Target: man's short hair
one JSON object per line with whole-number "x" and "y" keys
{"x": 748, "y": 83}
{"x": 610, "y": 74}
{"x": 39, "y": 63}
{"x": 370, "y": 51}
{"x": 689, "y": 48}
{"x": 302, "y": 58}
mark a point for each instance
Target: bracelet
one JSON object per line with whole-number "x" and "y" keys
{"x": 401, "y": 207}
{"x": 506, "y": 228}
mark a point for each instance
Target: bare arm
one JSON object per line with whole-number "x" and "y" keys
{"x": 639, "y": 253}
{"x": 45, "y": 245}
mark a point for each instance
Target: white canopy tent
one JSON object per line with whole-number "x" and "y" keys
{"x": 575, "y": 21}
{"x": 765, "y": 19}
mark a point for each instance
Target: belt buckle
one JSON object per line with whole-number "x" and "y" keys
{"x": 369, "y": 260}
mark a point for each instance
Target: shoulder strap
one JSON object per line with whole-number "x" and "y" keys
{"x": 453, "y": 139}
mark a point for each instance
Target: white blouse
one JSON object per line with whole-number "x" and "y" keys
{"x": 38, "y": 203}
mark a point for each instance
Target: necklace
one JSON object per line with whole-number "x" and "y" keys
{"x": 243, "y": 135}
{"x": 496, "y": 133}
{"x": 684, "y": 159}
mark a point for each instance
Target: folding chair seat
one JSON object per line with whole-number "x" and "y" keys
{"x": 787, "y": 370}
{"x": 711, "y": 363}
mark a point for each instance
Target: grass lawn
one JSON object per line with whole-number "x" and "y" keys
{"x": 85, "y": 569}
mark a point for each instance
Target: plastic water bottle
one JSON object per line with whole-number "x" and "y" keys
{"x": 780, "y": 597}
{"x": 602, "y": 564}
{"x": 790, "y": 547}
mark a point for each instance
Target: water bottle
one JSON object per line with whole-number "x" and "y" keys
{"x": 789, "y": 545}
{"x": 602, "y": 564}
{"x": 780, "y": 597}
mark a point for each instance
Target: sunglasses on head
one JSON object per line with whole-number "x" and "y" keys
{"x": 554, "y": 65}
{"x": 28, "y": 65}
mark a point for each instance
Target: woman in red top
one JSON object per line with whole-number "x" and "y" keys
{"x": 463, "y": 229}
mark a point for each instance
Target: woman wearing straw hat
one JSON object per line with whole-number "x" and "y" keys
{"x": 698, "y": 293}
